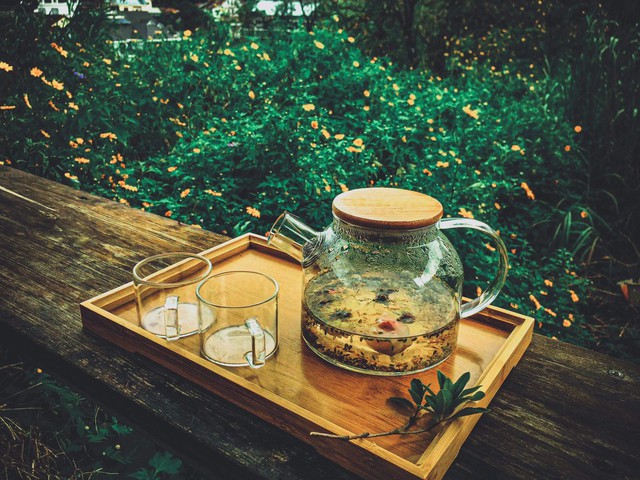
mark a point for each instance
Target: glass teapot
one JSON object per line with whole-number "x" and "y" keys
{"x": 382, "y": 285}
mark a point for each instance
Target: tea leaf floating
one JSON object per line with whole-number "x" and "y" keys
{"x": 447, "y": 404}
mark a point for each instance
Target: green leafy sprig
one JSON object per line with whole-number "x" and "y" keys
{"x": 448, "y": 404}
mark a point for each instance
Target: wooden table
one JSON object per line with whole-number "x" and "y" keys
{"x": 563, "y": 412}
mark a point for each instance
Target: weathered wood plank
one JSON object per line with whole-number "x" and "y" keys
{"x": 559, "y": 414}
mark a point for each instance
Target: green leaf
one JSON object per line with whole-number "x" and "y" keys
{"x": 462, "y": 381}
{"x": 164, "y": 462}
{"x": 401, "y": 402}
{"x": 469, "y": 411}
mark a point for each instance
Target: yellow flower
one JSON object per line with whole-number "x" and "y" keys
{"x": 57, "y": 85}
{"x": 109, "y": 135}
{"x": 339, "y": 136}
{"x": 254, "y": 212}
{"x": 252, "y": 95}
{"x": 548, "y": 283}
{"x": 196, "y": 150}
{"x": 185, "y": 192}
{"x": 45, "y": 134}
{"x": 344, "y": 188}
{"x": 535, "y": 302}
{"x": 326, "y": 134}
{"x": 442, "y": 164}
{"x": 358, "y": 142}
{"x": 7, "y": 107}
{"x": 574, "y": 296}
{"x": 36, "y": 72}
{"x": 214, "y": 193}
{"x": 463, "y": 212}
{"x": 172, "y": 169}
{"x": 26, "y": 100}
{"x": 318, "y": 44}
{"x": 82, "y": 160}
{"x": 194, "y": 57}
{"x": 356, "y": 64}
{"x": 472, "y": 113}
{"x": 366, "y": 93}
{"x": 59, "y": 49}
{"x": 528, "y": 191}
{"x": 5, "y": 66}
{"x": 107, "y": 61}
{"x": 308, "y": 107}
{"x": 515, "y": 148}
{"x": 186, "y": 33}
{"x": 254, "y": 46}
{"x": 351, "y": 39}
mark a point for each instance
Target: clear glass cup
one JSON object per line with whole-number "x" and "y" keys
{"x": 165, "y": 290}
{"x": 244, "y": 309}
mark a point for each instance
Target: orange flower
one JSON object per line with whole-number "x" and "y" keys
{"x": 185, "y": 192}
{"x": 528, "y": 191}
{"x": 567, "y": 148}
{"x": 314, "y": 124}
{"x": 490, "y": 247}
{"x": 7, "y": 107}
{"x": 57, "y": 85}
{"x": 109, "y": 135}
{"x": 318, "y": 44}
{"x": 442, "y": 164}
{"x": 472, "y": 113}
{"x": 584, "y": 214}
{"x": 339, "y": 136}
{"x": 577, "y": 129}
{"x": 171, "y": 169}
{"x": 168, "y": 213}
{"x": 535, "y": 302}
{"x": 463, "y": 212}
{"x": 196, "y": 150}
{"x": 36, "y": 72}
{"x": 358, "y": 142}
{"x": 5, "y": 66}
{"x": 252, "y": 95}
{"x": 551, "y": 312}
{"x": 366, "y": 93}
{"x": 326, "y": 134}
{"x": 70, "y": 177}
{"x": 344, "y": 188}
{"x": 548, "y": 283}
{"x": 515, "y": 148}
{"x": 566, "y": 323}
{"x": 52, "y": 105}
{"x": 574, "y": 296}
{"x": 254, "y": 212}
{"x": 45, "y": 134}
{"x": 214, "y": 193}
{"x": 60, "y": 50}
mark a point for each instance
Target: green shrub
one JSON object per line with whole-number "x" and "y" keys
{"x": 225, "y": 134}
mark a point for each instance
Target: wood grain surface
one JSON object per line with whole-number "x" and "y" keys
{"x": 387, "y": 208}
{"x": 563, "y": 412}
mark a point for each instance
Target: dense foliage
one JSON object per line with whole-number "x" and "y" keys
{"x": 225, "y": 134}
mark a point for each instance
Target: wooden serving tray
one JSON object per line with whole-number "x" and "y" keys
{"x": 300, "y": 393}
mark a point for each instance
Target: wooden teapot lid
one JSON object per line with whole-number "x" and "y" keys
{"x": 387, "y": 208}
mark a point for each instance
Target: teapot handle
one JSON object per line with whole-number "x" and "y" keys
{"x": 489, "y": 295}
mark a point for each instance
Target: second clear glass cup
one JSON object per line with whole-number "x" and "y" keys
{"x": 244, "y": 308}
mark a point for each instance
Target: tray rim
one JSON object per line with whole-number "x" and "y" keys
{"x": 436, "y": 458}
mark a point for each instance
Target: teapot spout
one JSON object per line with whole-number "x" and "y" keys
{"x": 292, "y": 236}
